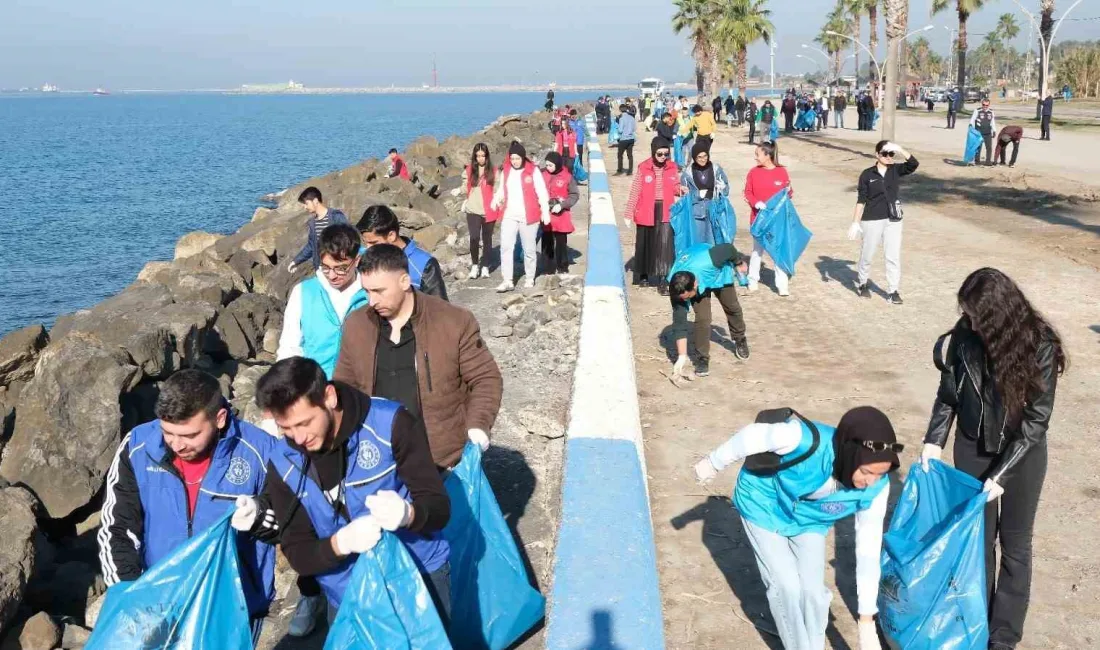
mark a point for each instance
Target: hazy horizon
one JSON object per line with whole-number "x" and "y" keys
{"x": 345, "y": 44}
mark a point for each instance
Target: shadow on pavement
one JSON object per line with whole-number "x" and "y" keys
{"x": 603, "y": 633}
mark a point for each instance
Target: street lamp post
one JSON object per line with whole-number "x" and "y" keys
{"x": 771, "y": 48}
{"x": 865, "y": 49}
{"x": 901, "y": 60}
{"x": 1044, "y": 69}
{"x": 823, "y": 53}
{"x": 951, "y": 47}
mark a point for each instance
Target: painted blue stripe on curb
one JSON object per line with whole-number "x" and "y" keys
{"x": 605, "y": 593}
{"x": 598, "y": 183}
{"x": 598, "y": 155}
{"x": 605, "y": 257}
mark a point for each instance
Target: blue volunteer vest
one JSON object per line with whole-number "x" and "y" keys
{"x": 321, "y": 325}
{"x": 418, "y": 261}
{"x": 371, "y": 468}
{"x": 238, "y": 466}
{"x": 696, "y": 259}
{"x": 776, "y": 502}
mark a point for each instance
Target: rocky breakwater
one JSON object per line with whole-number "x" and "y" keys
{"x": 69, "y": 394}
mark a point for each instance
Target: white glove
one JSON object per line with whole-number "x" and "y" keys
{"x": 719, "y": 186}
{"x": 245, "y": 514}
{"x": 760, "y": 205}
{"x": 359, "y": 536}
{"x": 494, "y": 204}
{"x": 479, "y": 438}
{"x": 929, "y": 452}
{"x": 992, "y": 489}
{"x": 556, "y": 209}
{"x": 868, "y": 636}
{"x": 546, "y": 219}
{"x": 704, "y": 471}
{"x": 680, "y": 365}
{"x": 855, "y": 231}
{"x": 291, "y": 267}
{"x": 389, "y": 509}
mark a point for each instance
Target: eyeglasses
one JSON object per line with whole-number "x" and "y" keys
{"x": 661, "y": 154}
{"x": 338, "y": 271}
{"x": 878, "y": 445}
{"x": 886, "y": 154}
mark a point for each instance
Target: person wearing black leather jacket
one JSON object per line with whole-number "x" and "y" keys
{"x": 999, "y": 370}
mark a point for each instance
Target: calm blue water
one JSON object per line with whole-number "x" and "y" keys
{"x": 94, "y": 187}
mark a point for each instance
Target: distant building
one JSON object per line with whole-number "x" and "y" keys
{"x": 49, "y": 88}
{"x": 290, "y": 86}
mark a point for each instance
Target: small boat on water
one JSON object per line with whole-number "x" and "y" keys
{"x": 100, "y": 92}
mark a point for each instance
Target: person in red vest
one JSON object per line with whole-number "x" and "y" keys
{"x": 521, "y": 197}
{"x": 481, "y": 218}
{"x": 565, "y": 143}
{"x": 563, "y": 192}
{"x": 655, "y": 188}
{"x": 398, "y": 167}
{"x": 762, "y": 183}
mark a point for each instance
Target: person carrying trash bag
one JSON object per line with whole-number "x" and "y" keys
{"x": 763, "y": 183}
{"x": 799, "y": 478}
{"x": 932, "y": 592}
{"x": 349, "y": 467}
{"x": 175, "y": 477}
{"x": 707, "y": 187}
{"x": 999, "y": 369}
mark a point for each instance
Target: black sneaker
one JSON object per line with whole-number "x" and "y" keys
{"x": 741, "y": 349}
{"x": 702, "y": 367}
{"x": 895, "y": 299}
{"x": 863, "y": 291}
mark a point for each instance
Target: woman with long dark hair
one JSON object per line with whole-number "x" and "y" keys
{"x": 481, "y": 218}
{"x": 997, "y": 383}
{"x": 763, "y": 182}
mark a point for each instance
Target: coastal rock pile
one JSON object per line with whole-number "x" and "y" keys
{"x": 67, "y": 396}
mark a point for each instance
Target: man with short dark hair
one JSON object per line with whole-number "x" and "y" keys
{"x": 380, "y": 225}
{"x": 323, "y": 217}
{"x": 423, "y": 352}
{"x": 699, "y": 272}
{"x": 348, "y": 467}
{"x": 1047, "y": 110}
{"x": 177, "y": 476}
{"x": 986, "y": 123}
{"x": 398, "y": 168}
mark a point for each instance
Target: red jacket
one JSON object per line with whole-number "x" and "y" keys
{"x": 491, "y": 215}
{"x": 400, "y": 168}
{"x": 531, "y": 206}
{"x": 558, "y": 186}
{"x": 565, "y": 142}
{"x": 643, "y": 192}
{"x": 762, "y": 184}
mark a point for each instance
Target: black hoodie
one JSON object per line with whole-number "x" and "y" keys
{"x": 309, "y": 555}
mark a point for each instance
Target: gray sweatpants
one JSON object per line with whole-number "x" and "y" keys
{"x": 887, "y": 233}
{"x": 526, "y": 233}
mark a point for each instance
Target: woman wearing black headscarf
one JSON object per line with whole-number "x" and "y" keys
{"x": 705, "y": 181}
{"x": 655, "y": 187}
{"x": 838, "y": 473}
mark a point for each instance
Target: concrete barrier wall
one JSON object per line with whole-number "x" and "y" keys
{"x": 606, "y": 593}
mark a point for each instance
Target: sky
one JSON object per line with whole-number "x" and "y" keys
{"x": 167, "y": 45}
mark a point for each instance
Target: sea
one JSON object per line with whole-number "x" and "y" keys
{"x": 92, "y": 188}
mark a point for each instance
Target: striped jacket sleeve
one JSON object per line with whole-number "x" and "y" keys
{"x": 122, "y": 521}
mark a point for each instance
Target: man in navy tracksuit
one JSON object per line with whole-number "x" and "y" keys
{"x": 178, "y": 475}
{"x": 986, "y": 123}
{"x": 349, "y": 467}
{"x": 380, "y": 225}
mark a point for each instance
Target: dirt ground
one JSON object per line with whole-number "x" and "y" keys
{"x": 823, "y": 351}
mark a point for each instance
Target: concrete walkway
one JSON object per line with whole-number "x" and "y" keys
{"x": 823, "y": 351}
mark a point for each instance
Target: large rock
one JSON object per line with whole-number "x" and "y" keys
{"x": 40, "y": 633}
{"x": 17, "y": 550}
{"x": 413, "y": 219}
{"x": 241, "y": 324}
{"x": 148, "y": 273}
{"x": 194, "y": 243}
{"x": 68, "y": 421}
{"x": 18, "y": 352}
{"x": 429, "y": 238}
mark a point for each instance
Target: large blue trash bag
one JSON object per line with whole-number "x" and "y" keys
{"x": 579, "y": 172}
{"x": 678, "y": 150}
{"x": 190, "y": 600}
{"x": 723, "y": 221}
{"x": 973, "y": 143}
{"x": 780, "y": 231}
{"x": 773, "y": 132}
{"x": 806, "y": 120}
{"x": 386, "y": 605}
{"x": 723, "y": 225}
{"x": 613, "y": 134}
{"x": 932, "y": 594}
{"x": 492, "y": 602}
{"x": 679, "y": 217}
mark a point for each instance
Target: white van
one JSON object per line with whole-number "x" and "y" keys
{"x": 651, "y": 87}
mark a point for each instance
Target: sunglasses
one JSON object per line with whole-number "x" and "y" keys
{"x": 661, "y": 154}
{"x": 886, "y": 154}
{"x": 878, "y": 445}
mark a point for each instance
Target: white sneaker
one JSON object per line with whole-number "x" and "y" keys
{"x": 505, "y": 286}
{"x": 753, "y": 286}
{"x": 784, "y": 292}
{"x": 306, "y": 613}
{"x": 485, "y": 271}
{"x": 528, "y": 284}
{"x": 473, "y": 272}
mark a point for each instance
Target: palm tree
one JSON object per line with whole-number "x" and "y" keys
{"x": 964, "y": 8}
{"x": 692, "y": 17}
{"x": 1046, "y": 28}
{"x": 1006, "y": 30}
{"x": 852, "y": 12}
{"x": 872, "y": 36}
{"x": 897, "y": 17}
{"x": 833, "y": 43}
{"x": 737, "y": 25}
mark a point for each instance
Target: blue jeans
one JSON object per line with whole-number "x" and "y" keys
{"x": 838, "y": 119}
{"x": 793, "y": 571}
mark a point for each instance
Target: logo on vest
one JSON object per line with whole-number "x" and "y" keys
{"x": 238, "y": 471}
{"x": 831, "y": 508}
{"x": 368, "y": 455}
{"x": 648, "y": 178}
{"x": 528, "y": 179}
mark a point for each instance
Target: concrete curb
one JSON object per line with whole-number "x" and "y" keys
{"x": 606, "y": 593}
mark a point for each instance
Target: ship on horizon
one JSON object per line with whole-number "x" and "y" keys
{"x": 100, "y": 92}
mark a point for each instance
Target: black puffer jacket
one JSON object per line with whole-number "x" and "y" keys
{"x": 967, "y": 392}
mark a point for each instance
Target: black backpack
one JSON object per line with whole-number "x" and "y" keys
{"x": 770, "y": 463}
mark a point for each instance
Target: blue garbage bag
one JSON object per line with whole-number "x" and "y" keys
{"x": 678, "y": 150}
{"x": 722, "y": 222}
{"x": 932, "y": 594}
{"x": 613, "y": 134}
{"x": 874, "y": 122}
{"x": 386, "y": 605}
{"x": 679, "y": 217}
{"x": 493, "y": 603}
{"x": 190, "y": 600}
{"x": 773, "y": 134}
{"x": 973, "y": 143}
{"x": 579, "y": 172}
{"x": 780, "y": 231}
{"x": 806, "y": 120}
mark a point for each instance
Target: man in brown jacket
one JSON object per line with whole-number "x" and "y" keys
{"x": 423, "y": 352}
